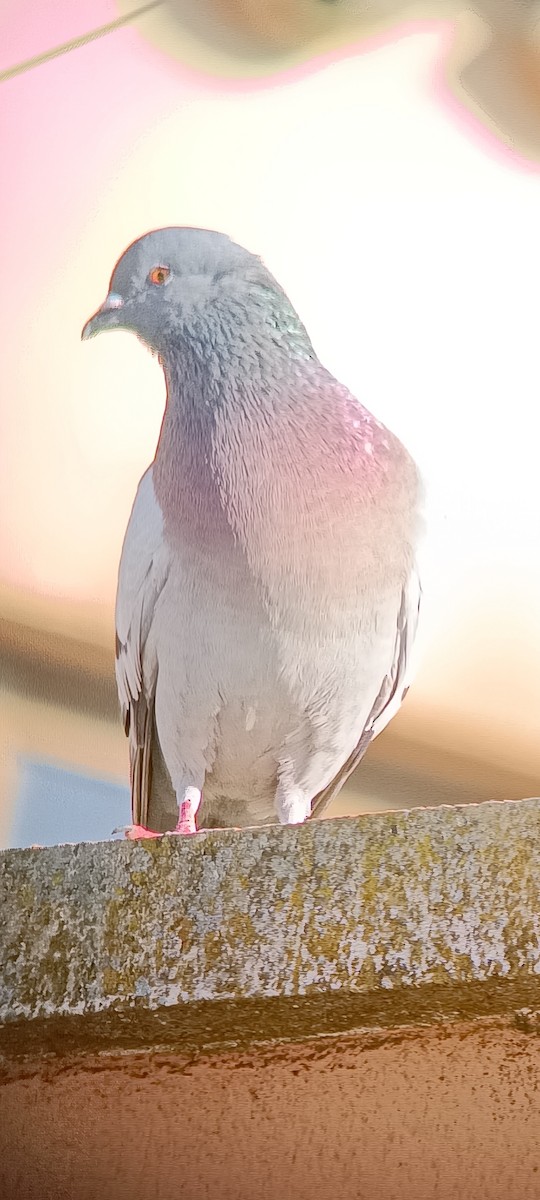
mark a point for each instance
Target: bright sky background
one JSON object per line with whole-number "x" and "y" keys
{"x": 410, "y": 246}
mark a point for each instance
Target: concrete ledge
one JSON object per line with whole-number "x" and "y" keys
{"x": 229, "y": 938}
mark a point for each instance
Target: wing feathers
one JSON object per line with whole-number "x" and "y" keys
{"x": 144, "y": 567}
{"x": 393, "y": 690}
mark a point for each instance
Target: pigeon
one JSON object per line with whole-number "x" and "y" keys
{"x": 268, "y": 591}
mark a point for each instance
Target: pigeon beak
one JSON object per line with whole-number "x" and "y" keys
{"x": 105, "y": 317}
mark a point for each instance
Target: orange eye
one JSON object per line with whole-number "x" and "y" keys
{"x": 159, "y": 275}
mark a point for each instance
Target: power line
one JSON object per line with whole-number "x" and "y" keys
{"x": 85, "y": 38}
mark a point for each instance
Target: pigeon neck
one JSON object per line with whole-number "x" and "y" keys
{"x": 183, "y": 478}
{"x": 227, "y": 377}
{"x": 237, "y": 355}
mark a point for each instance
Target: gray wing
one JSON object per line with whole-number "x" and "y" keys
{"x": 144, "y": 567}
{"x": 392, "y": 693}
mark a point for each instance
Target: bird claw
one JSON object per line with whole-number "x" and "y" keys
{"x": 134, "y": 832}
{"x": 185, "y": 826}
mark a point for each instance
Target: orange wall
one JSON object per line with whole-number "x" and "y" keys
{"x": 448, "y": 1113}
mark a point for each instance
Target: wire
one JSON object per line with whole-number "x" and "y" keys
{"x": 85, "y": 38}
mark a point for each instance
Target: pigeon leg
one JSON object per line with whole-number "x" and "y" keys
{"x": 187, "y": 807}
{"x": 188, "y": 803}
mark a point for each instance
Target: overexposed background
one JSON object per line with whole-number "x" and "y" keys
{"x": 409, "y": 244}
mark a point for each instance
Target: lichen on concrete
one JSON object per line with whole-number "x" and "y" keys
{"x": 369, "y": 909}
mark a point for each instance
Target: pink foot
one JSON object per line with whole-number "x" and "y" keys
{"x": 185, "y": 826}
{"x": 132, "y": 832}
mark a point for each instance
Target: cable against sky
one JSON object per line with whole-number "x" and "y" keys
{"x": 76, "y": 43}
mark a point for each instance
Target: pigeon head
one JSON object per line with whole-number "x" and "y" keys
{"x": 168, "y": 279}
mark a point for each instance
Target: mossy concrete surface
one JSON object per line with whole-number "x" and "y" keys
{"x": 230, "y": 937}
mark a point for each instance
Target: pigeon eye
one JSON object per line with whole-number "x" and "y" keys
{"x": 159, "y": 275}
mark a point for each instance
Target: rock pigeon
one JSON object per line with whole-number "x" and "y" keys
{"x": 268, "y": 590}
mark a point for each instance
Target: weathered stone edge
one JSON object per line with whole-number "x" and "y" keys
{"x": 376, "y": 920}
